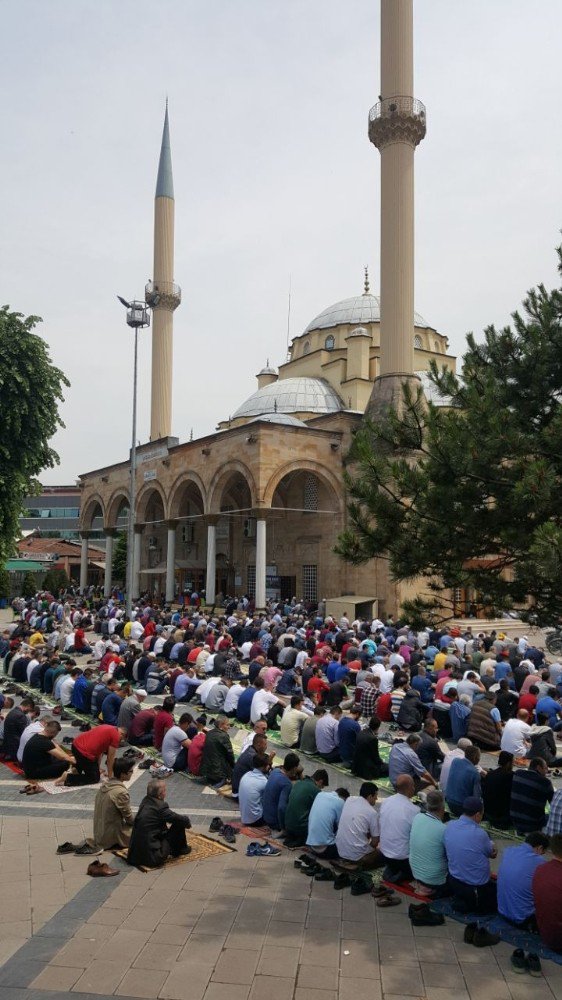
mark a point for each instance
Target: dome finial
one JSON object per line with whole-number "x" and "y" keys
{"x": 366, "y": 286}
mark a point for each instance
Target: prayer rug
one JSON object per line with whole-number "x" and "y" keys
{"x": 408, "y": 890}
{"x": 258, "y": 833}
{"x": 497, "y": 925}
{"x": 202, "y": 847}
{"x": 12, "y": 766}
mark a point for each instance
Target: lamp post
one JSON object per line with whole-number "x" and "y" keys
{"x": 137, "y": 318}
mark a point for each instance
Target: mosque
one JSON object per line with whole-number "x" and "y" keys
{"x": 256, "y": 507}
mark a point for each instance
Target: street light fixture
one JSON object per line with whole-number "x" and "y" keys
{"x": 137, "y": 318}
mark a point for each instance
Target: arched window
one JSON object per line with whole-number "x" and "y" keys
{"x": 418, "y": 342}
{"x": 306, "y": 347}
{"x": 330, "y": 343}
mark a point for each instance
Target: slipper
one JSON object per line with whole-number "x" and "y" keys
{"x": 25, "y": 789}
{"x": 66, "y": 848}
{"x": 34, "y": 790}
{"x": 385, "y": 901}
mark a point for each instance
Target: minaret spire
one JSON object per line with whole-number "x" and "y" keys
{"x": 397, "y": 124}
{"x": 162, "y": 294}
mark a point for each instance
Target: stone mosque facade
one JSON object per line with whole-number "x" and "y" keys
{"x": 256, "y": 507}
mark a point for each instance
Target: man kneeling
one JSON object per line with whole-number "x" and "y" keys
{"x": 158, "y": 832}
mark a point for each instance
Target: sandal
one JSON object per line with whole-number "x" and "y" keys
{"x": 385, "y": 901}
{"x": 25, "y": 789}
{"x": 34, "y": 790}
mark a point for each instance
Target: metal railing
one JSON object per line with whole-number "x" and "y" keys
{"x": 398, "y": 107}
{"x": 156, "y": 290}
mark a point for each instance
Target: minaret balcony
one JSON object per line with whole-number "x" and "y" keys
{"x": 162, "y": 294}
{"x": 397, "y": 119}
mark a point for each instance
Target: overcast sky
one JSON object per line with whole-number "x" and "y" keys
{"x": 274, "y": 176}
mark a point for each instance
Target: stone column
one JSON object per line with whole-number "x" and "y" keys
{"x": 261, "y": 545}
{"x": 136, "y": 560}
{"x": 84, "y": 535}
{"x": 210, "y": 585}
{"x": 109, "y": 537}
{"x": 171, "y": 563}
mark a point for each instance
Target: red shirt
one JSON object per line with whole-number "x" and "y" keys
{"x": 528, "y": 701}
{"x": 193, "y": 654}
{"x": 316, "y": 685}
{"x": 97, "y": 741}
{"x": 195, "y": 753}
{"x": 439, "y": 696}
{"x": 382, "y": 708}
{"x": 142, "y": 723}
{"x": 547, "y": 892}
{"x": 162, "y": 722}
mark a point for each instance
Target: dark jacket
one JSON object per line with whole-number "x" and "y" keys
{"x": 542, "y": 744}
{"x": 367, "y": 761}
{"x": 496, "y": 793}
{"x": 14, "y": 725}
{"x": 410, "y": 715}
{"x": 244, "y": 764}
{"x": 217, "y": 761}
{"x": 149, "y": 842}
{"x": 430, "y": 754}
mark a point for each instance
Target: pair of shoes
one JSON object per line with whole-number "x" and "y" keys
{"x": 342, "y": 881}
{"x": 526, "y": 963}
{"x": 97, "y": 870}
{"x": 379, "y": 891}
{"x": 312, "y": 869}
{"x": 161, "y": 771}
{"x": 228, "y": 833}
{"x": 67, "y": 740}
{"x": 326, "y": 875}
{"x": 76, "y": 723}
{"x": 422, "y": 916}
{"x": 86, "y": 849}
{"x": 479, "y": 936}
{"x": 361, "y": 884}
{"x": 215, "y": 825}
{"x": 145, "y": 764}
{"x": 85, "y": 727}
{"x": 133, "y": 754}
{"x": 66, "y": 848}
{"x": 265, "y": 850}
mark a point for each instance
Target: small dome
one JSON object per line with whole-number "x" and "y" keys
{"x": 291, "y": 395}
{"x": 267, "y": 370}
{"x": 359, "y": 331}
{"x": 356, "y": 311}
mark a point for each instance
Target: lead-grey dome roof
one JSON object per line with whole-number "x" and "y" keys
{"x": 279, "y": 418}
{"x": 358, "y": 310}
{"x": 292, "y": 395}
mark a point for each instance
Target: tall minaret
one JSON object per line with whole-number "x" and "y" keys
{"x": 396, "y": 126}
{"x": 162, "y": 294}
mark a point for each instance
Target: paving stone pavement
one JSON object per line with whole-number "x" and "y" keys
{"x": 227, "y": 928}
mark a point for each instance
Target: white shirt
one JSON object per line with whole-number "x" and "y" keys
{"x": 359, "y": 823}
{"x": 69, "y": 641}
{"x": 231, "y": 700}
{"x": 137, "y": 631}
{"x": 396, "y": 660}
{"x": 66, "y": 689}
{"x": 205, "y": 687}
{"x": 30, "y": 668}
{"x": 513, "y": 737}
{"x": 159, "y": 645}
{"x": 387, "y": 681}
{"x": 99, "y": 649}
{"x": 261, "y": 703}
{"x": 396, "y": 818}
{"x": 29, "y": 731}
{"x": 446, "y": 766}
{"x": 245, "y": 650}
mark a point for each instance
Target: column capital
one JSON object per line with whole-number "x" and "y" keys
{"x": 138, "y": 528}
{"x": 211, "y": 520}
{"x": 84, "y": 535}
{"x": 172, "y": 523}
{"x": 110, "y": 532}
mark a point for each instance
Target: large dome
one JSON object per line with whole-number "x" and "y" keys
{"x": 291, "y": 395}
{"x": 357, "y": 311}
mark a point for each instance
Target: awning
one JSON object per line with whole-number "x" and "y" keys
{"x": 98, "y": 565}
{"x": 24, "y": 566}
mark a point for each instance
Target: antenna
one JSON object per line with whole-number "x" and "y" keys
{"x": 289, "y": 316}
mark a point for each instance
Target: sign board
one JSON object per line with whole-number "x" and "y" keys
{"x": 151, "y": 454}
{"x": 149, "y": 474}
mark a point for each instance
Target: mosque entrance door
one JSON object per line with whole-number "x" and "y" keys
{"x": 287, "y": 587}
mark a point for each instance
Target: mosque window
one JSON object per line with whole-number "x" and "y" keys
{"x": 251, "y": 587}
{"x": 330, "y": 343}
{"x": 310, "y": 499}
{"x": 310, "y": 583}
{"x": 418, "y": 342}
{"x": 306, "y": 347}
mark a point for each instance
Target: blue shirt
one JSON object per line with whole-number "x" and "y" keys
{"x": 403, "y": 760}
{"x": 515, "y": 882}
{"x": 331, "y": 670}
{"x": 342, "y": 673}
{"x": 463, "y": 780}
{"x": 323, "y": 820}
{"x": 244, "y": 706}
{"x": 502, "y": 670}
{"x": 423, "y": 685}
{"x": 458, "y": 714}
{"x": 250, "y": 795}
{"x": 548, "y": 706}
{"x": 430, "y": 653}
{"x": 275, "y": 798}
{"x": 110, "y": 708}
{"x": 347, "y": 735}
{"x": 427, "y": 853}
{"x": 468, "y": 849}
{"x": 80, "y": 694}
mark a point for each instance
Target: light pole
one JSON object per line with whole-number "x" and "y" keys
{"x": 137, "y": 318}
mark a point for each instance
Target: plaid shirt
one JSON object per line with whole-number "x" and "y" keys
{"x": 554, "y": 824}
{"x": 368, "y": 700}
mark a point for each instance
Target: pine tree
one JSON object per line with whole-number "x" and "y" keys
{"x": 470, "y": 494}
